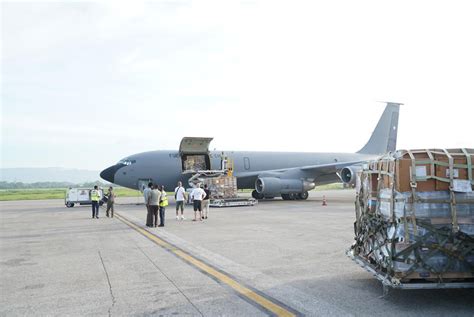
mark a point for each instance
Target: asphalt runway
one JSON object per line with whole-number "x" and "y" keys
{"x": 277, "y": 258}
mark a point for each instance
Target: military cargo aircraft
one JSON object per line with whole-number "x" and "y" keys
{"x": 270, "y": 174}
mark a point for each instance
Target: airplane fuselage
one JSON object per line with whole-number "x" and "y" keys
{"x": 165, "y": 167}
{"x": 270, "y": 173}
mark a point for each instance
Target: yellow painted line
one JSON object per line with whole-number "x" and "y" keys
{"x": 239, "y": 288}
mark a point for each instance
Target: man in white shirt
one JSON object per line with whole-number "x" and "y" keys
{"x": 180, "y": 197}
{"x": 197, "y": 196}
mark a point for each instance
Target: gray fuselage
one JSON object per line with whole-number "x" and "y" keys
{"x": 276, "y": 172}
{"x": 165, "y": 168}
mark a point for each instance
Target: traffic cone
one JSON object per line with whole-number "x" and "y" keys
{"x": 324, "y": 201}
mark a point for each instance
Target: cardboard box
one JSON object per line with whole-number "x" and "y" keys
{"x": 403, "y": 173}
{"x": 429, "y": 164}
{"x": 444, "y": 171}
{"x": 425, "y": 171}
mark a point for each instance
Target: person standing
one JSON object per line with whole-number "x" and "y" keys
{"x": 163, "y": 204}
{"x": 180, "y": 197}
{"x": 146, "y": 195}
{"x": 223, "y": 161}
{"x": 197, "y": 195}
{"x": 110, "y": 202}
{"x": 95, "y": 197}
{"x": 153, "y": 202}
{"x": 146, "y": 191}
{"x": 205, "y": 202}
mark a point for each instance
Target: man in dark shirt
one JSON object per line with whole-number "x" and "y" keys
{"x": 110, "y": 201}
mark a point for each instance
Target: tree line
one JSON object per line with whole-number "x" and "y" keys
{"x": 20, "y": 185}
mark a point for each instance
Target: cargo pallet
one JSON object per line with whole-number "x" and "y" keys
{"x": 220, "y": 201}
{"x": 233, "y": 202}
{"x": 394, "y": 283}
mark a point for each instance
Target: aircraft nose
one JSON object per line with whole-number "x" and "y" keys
{"x": 109, "y": 173}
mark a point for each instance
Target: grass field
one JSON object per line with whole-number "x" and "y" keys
{"x": 53, "y": 193}
{"x": 59, "y": 193}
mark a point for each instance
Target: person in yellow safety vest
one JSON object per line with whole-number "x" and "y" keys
{"x": 95, "y": 197}
{"x": 163, "y": 204}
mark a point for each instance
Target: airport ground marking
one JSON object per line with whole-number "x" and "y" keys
{"x": 244, "y": 291}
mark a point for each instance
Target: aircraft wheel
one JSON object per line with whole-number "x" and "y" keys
{"x": 69, "y": 204}
{"x": 303, "y": 196}
{"x": 285, "y": 196}
{"x": 257, "y": 195}
{"x": 293, "y": 196}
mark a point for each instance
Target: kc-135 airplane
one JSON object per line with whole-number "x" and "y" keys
{"x": 287, "y": 174}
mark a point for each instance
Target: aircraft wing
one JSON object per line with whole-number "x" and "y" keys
{"x": 310, "y": 171}
{"x": 324, "y": 169}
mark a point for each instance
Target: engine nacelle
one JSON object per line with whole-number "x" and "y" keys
{"x": 349, "y": 174}
{"x": 276, "y": 186}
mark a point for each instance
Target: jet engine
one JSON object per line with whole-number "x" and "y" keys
{"x": 349, "y": 174}
{"x": 273, "y": 186}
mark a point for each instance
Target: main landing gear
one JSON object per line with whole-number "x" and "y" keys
{"x": 295, "y": 196}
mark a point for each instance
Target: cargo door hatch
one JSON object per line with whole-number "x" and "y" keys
{"x": 142, "y": 183}
{"x": 194, "y": 153}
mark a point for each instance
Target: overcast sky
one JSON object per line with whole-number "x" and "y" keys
{"x": 84, "y": 84}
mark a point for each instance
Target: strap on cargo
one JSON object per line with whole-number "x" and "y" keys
{"x": 454, "y": 215}
{"x": 357, "y": 209}
{"x": 413, "y": 185}
{"x": 379, "y": 186}
{"x": 469, "y": 166}
{"x": 405, "y": 223}
{"x": 413, "y": 169}
{"x": 432, "y": 163}
{"x": 390, "y": 177}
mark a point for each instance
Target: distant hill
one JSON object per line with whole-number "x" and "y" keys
{"x": 48, "y": 174}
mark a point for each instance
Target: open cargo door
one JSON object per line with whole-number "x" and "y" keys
{"x": 143, "y": 183}
{"x": 194, "y": 152}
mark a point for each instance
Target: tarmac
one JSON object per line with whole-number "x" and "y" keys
{"x": 284, "y": 258}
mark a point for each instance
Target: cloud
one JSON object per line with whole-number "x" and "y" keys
{"x": 255, "y": 75}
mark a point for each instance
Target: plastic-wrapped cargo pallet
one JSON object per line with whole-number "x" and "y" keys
{"x": 222, "y": 186}
{"x": 415, "y": 218}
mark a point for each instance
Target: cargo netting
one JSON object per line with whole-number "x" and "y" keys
{"x": 423, "y": 233}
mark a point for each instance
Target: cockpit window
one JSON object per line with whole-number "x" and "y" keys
{"x": 127, "y": 162}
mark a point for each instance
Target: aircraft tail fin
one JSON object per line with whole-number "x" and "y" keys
{"x": 384, "y": 137}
